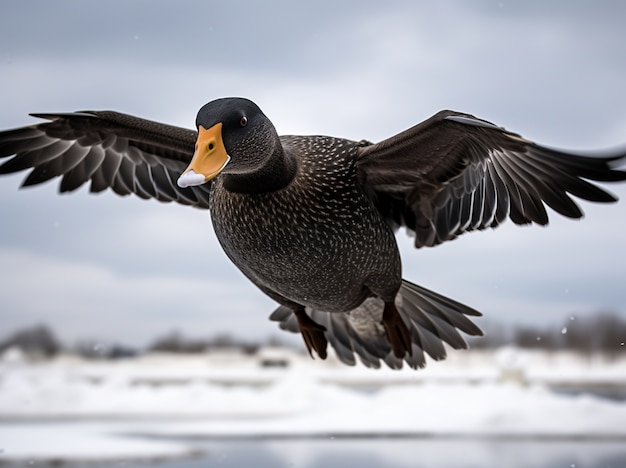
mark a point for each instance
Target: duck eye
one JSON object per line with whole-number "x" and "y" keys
{"x": 244, "y": 121}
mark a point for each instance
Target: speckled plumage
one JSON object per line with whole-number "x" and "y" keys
{"x": 318, "y": 242}
{"x": 310, "y": 220}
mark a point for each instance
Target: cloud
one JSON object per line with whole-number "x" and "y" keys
{"x": 87, "y": 300}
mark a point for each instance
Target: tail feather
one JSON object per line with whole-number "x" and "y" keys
{"x": 432, "y": 319}
{"x": 417, "y": 360}
{"x": 431, "y": 343}
{"x": 337, "y": 335}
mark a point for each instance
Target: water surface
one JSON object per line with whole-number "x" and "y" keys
{"x": 406, "y": 452}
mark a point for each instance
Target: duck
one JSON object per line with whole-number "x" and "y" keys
{"x": 312, "y": 220}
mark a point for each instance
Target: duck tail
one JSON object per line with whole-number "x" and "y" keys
{"x": 431, "y": 318}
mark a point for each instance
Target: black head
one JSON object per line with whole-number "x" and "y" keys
{"x": 237, "y": 140}
{"x": 246, "y": 132}
{"x": 234, "y": 113}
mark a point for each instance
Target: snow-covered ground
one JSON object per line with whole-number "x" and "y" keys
{"x": 69, "y": 409}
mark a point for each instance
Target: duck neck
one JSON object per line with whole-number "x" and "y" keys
{"x": 276, "y": 173}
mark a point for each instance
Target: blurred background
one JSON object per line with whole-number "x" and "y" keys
{"x": 104, "y": 277}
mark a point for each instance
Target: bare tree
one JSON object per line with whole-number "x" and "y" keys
{"x": 37, "y": 340}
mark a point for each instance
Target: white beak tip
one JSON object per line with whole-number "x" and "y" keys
{"x": 190, "y": 178}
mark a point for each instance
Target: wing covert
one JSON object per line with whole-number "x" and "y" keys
{"x": 454, "y": 173}
{"x": 111, "y": 150}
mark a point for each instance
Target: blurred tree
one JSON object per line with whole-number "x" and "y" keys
{"x": 608, "y": 333}
{"x": 36, "y": 341}
{"x": 93, "y": 349}
{"x": 174, "y": 342}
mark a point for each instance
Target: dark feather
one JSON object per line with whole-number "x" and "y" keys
{"x": 454, "y": 173}
{"x": 432, "y": 319}
{"x": 112, "y": 150}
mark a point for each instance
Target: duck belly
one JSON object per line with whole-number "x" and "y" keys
{"x": 320, "y": 257}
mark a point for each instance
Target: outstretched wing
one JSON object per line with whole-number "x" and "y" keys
{"x": 112, "y": 150}
{"x": 455, "y": 173}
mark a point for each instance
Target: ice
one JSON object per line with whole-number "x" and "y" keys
{"x": 78, "y": 409}
{"x": 80, "y": 442}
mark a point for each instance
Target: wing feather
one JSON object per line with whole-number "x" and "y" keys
{"x": 454, "y": 173}
{"x": 112, "y": 150}
{"x": 83, "y": 170}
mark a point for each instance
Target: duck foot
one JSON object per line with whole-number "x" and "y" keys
{"x": 396, "y": 330}
{"x": 312, "y": 333}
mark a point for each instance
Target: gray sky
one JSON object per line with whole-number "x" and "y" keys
{"x": 124, "y": 269}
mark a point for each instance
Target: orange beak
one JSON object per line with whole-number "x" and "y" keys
{"x": 209, "y": 158}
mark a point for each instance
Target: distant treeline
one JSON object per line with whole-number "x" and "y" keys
{"x": 603, "y": 333}
{"x": 41, "y": 341}
{"x": 177, "y": 343}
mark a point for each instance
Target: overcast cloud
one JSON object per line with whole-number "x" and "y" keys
{"x": 125, "y": 269}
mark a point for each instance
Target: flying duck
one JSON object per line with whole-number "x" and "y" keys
{"x": 310, "y": 220}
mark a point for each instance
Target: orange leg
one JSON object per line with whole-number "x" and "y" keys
{"x": 312, "y": 333}
{"x": 397, "y": 332}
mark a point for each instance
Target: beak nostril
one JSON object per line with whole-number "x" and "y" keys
{"x": 211, "y": 146}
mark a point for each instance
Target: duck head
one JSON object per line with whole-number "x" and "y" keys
{"x": 237, "y": 140}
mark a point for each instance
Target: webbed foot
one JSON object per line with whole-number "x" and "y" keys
{"x": 396, "y": 330}
{"x": 312, "y": 333}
